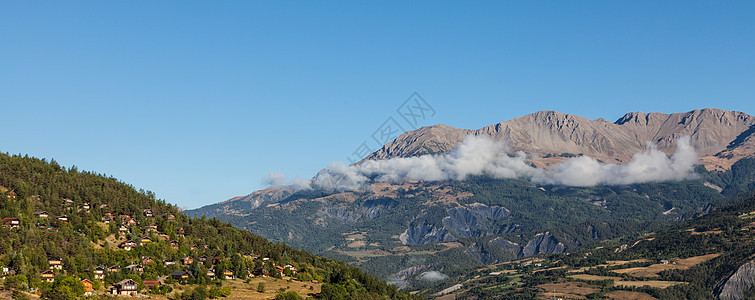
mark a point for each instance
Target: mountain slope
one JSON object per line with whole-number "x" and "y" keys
{"x": 80, "y": 221}
{"x": 704, "y": 258}
{"x": 712, "y": 132}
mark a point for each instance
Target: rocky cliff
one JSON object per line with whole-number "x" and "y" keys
{"x": 735, "y": 286}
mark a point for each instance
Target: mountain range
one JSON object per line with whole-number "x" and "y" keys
{"x": 419, "y": 233}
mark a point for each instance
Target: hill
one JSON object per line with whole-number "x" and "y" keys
{"x": 703, "y": 258}
{"x": 66, "y": 232}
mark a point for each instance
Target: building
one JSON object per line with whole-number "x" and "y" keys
{"x": 125, "y": 287}
{"x": 228, "y": 274}
{"x": 135, "y": 268}
{"x": 143, "y": 240}
{"x": 147, "y": 260}
{"x": 113, "y": 269}
{"x": 180, "y": 275}
{"x": 99, "y": 273}
{"x": 11, "y": 222}
{"x": 88, "y": 289}
{"x": 152, "y": 283}
{"x": 47, "y": 275}
{"x": 127, "y": 245}
{"x": 61, "y": 218}
{"x": 187, "y": 260}
{"x": 148, "y": 212}
{"x": 211, "y": 273}
{"x": 55, "y": 263}
{"x": 41, "y": 214}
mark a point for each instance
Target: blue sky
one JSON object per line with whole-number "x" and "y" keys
{"x": 198, "y": 101}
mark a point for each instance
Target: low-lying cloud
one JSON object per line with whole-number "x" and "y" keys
{"x": 483, "y": 156}
{"x": 433, "y": 276}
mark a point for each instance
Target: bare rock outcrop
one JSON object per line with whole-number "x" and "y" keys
{"x": 735, "y": 286}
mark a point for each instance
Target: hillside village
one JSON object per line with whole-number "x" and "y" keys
{"x": 67, "y": 234}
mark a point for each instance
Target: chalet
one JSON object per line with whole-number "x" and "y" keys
{"x": 228, "y": 274}
{"x": 85, "y": 206}
{"x": 165, "y": 237}
{"x": 168, "y": 263}
{"x": 88, "y": 289}
{"x": 152, "y": 283}
{"x": 202, "y": 258}
{"x": 47, "y": 275}
{"x": 193, "y": 247}
{"x": 127, "y": 245}
{"x": 216, "y": 260}
{"x": 180, "y": 231}
{"x": 260, "y": 271}
{"x": 113, "y": 269}
{"x": 11, "y": 222}
{"x": 108, "y": 215}
{"x": 135, "y": 268}
{"x": 62, "y": 218}
{"x": 124, "y": 217}
{"x": 41, "y": 214}
{"x": 148, "y": 212}
{"x": 55, "y": 263}
{"x": 123, "y": 229}
{"x": 107, "y": 220}
{"x": 211, "y": 273}
{"x": 180, "y": 275}
{"x": 143, "y": 240}
{"x": 103, "y": 206}
{"x": 290, "y": 267}
{"x": 130, "y": 222}
{"x": 11, "y": 194}
{"x": 99, "y": 273}
{"x": 150, "y": 228}
{"x": 174, "y": 243}
{"x": 187, "y": 260}
{"x": 169, "y": 216}
{"x": 7, "y": 272}
{"x": 125, "y": 287}
{"x": 147, "y": 260}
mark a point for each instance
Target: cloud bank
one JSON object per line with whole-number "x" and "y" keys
{"x": 483, "y": 156}
{"x": 433, "y": 276}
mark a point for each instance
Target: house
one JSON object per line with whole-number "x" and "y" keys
{"x": 174, "y": 243}
{"x": 150, "y": 228}
{"x": 113, "y": 269}
{"x": 106, "y": 220}
{"x": 260, "y": 271}
{"x": 99, "y": 273}
{"x": 169, "y": 216}
{"x": 187, "y": 260}
{"x": 123, "y": 229}
{"x": 228, "y": 274}
{"x": 193, "y": 247}
{"x": 211, "y": 273}
{"x": 88, "y": 289}
{"x": 148, "y": 212}
{"x": 85, "y": 206}
{"x": 41, "y": 214}
{"x": 168, "y": 263}
{"x": 152, "y": 283}
{"x": 11, "y": 222}
{"x": 147, "y": 260}
{"x": 11, "y": 194}
{"x": 144, "y": 240}
{"x": 135, "y": 268}
{"x": 180, "y": 231}
{"x": 180, "y": 275}
{"x": 127, "y": 245}
{"x": 202, "y": 258}
{"x": 67, "y": 202}
{"x": 216, "y": 260}
{"x": 47, "y": 275}
{"x": 62, "y": 218}
{"x": 55, "y": 263}
{"x": 290, "y": 267}
{"x": 130, "y": 222}
{"x": 165, "y": 237}
{"x": 125, "y": 287}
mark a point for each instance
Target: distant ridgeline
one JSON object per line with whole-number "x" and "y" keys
{"x": 66, "y": 233}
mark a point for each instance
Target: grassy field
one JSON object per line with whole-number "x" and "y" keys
{"x": 567, "y": 290}
{"x": 653, "y": 270}
{"x": 627, "y": 295}
{"x": 618, "y": 281}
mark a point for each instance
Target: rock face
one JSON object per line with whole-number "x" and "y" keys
{"x": 720, "y": 137}
{"x": 471, "y": 221}
{"x": 742, "y": 280}
{"x": 425, "y": 234}
{"x": 243, "y": 204}
{"x": 543, "y": 243}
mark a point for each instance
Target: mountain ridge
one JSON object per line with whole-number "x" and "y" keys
{"x": 545, "y": 133}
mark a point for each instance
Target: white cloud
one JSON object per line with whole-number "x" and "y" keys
{"x": 433, "y": 276}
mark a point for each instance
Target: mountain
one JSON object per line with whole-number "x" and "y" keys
{"x": 66, "y": 232}
{"x": 709, "y": 257}
{"x": 720, "y": 137}
{"x": 402, "y": 231}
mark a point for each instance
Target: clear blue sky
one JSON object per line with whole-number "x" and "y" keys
{"x": 198, "y": 101}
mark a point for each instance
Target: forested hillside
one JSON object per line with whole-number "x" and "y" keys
{"x": 66, "y": 232}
